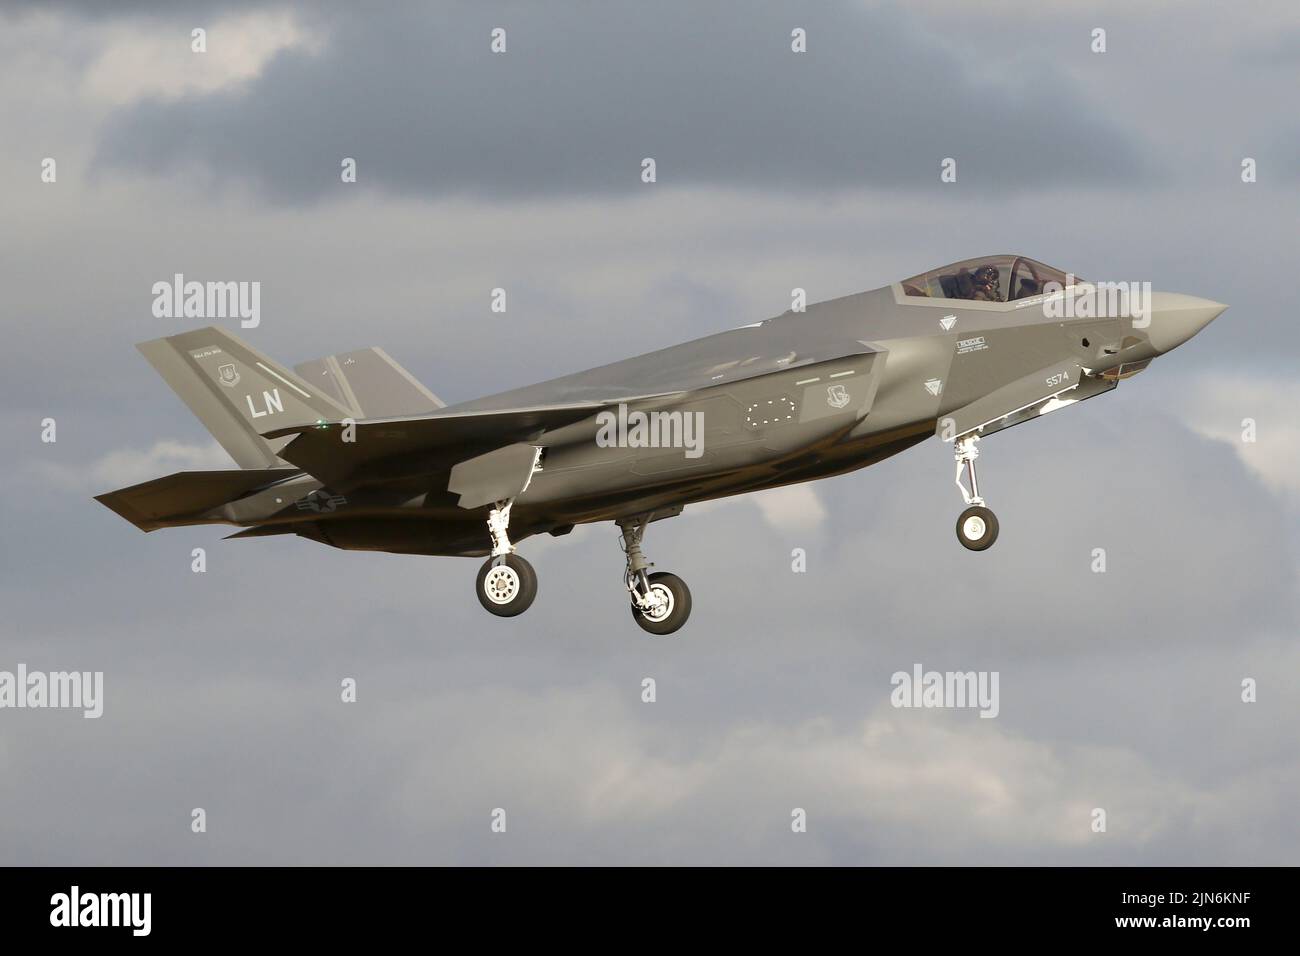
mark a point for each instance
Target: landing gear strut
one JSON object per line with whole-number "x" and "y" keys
{"x": 661, "y": 602}
{"x": 507, "y": 584}
{"x": 977, "y": 526}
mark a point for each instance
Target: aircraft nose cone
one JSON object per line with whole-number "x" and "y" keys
{"x": 1175, "y": 318}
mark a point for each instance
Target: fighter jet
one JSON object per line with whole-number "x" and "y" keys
{"x": 353, "y": 452}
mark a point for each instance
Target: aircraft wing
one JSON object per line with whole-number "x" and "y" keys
{"x": 320, "y": 449}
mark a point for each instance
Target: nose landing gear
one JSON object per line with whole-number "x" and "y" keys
{"x": 977, "y": 526}
{"x": 661, "y": 602}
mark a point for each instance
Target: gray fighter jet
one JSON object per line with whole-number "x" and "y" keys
{"x": 353, "y": 452}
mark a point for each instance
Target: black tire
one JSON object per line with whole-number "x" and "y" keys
{"x": 977, "y": 528}
{"x": 679, "y": 608}
{"x": 511, "y": 589}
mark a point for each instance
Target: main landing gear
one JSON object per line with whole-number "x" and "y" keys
{"x": 507, "y": 584}
{"x": 661, "y": 602}
{"x": 977, "y": 526}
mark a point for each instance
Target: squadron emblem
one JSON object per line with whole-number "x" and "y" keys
{"x": 837, "y": 396}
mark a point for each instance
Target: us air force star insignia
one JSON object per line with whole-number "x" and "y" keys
{"x": 321, "y": 502}
{"x": 934, "y": 386}
{"x": 947, "y": 322}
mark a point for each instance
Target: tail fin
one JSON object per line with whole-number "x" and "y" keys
{"x": 370, "y": 383}
{"x": 237, "y": 392}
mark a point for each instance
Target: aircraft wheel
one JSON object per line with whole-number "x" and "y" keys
{"x": 674, "y": 607}
{"x": 977, "y": 528}
{"x": 506, "y": 585}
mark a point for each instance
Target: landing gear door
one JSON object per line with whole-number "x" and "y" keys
{"x": 499, "y": 475}
{"x": 1025, "y": 398}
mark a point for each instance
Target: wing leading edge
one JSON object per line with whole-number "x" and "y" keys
{"x": 324, "y": 451}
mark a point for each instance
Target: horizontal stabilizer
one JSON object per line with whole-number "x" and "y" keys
{"x": 184, "y": 497}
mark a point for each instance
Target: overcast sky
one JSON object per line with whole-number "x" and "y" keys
{"x": 819, "y": 170}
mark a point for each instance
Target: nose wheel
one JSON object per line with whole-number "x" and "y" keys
{"x": 977, "y": 526}
{"x": 661, "y": 602}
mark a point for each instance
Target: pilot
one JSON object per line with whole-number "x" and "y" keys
{"x": 986, "y": 284}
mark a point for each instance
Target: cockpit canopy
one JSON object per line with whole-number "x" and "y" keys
{"x": 988, "y": 279}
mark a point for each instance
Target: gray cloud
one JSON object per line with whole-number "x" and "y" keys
{"x": 584, "y": 92}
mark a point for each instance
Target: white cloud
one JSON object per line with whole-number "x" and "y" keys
{"x": 957, "y": 781}
{"x": 791, "y": 508}
{"x": 1218, "y": 407}
{"x": 129, "y": 466}
{"x": 146, "y": 59}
